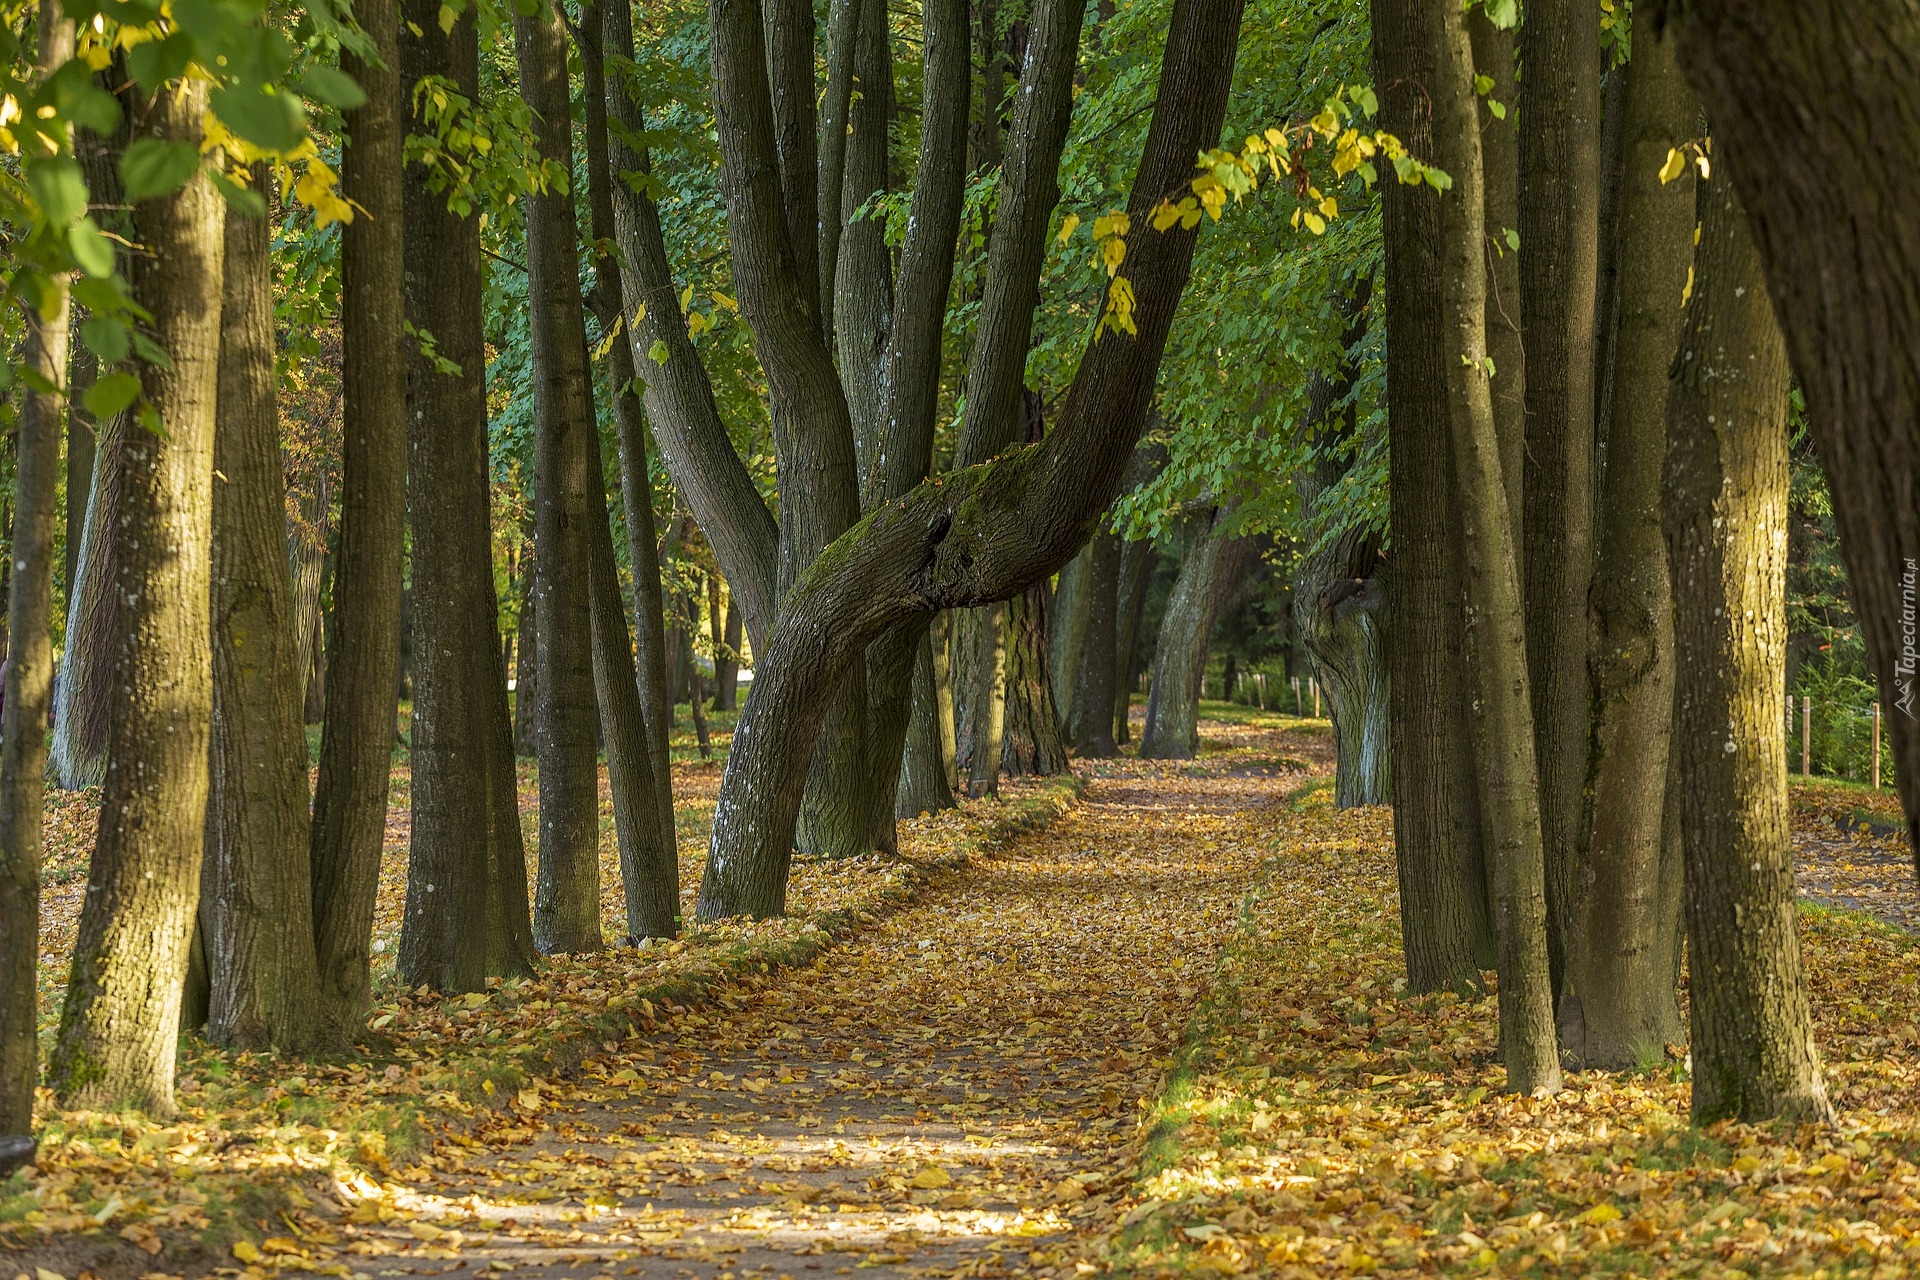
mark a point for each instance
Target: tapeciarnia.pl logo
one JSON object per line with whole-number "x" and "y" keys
{"x": 1905, "y": 664}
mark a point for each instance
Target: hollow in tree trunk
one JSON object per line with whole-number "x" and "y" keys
{"x": 1725, "y": 501}
{"x": 120, "y": 1023}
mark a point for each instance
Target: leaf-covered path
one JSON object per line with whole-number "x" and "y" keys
{"x": 957, "y": 1090}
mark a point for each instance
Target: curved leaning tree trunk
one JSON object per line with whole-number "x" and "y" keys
{"x": 1791, "y": 91}
{"x": 119, "y": 1026}
{"x": 1619, "y": 1006}
{"x": 257, "y": 909}
{"x": 1180, "y": 653}
{"x": 986, "y": 532}
{"x": 1725, "y": 492}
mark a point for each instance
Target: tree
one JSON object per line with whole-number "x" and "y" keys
{"x": 1213, "y": 564}
{"x": 1503, "y": 732}
{"x": 1725, "y": 499}
{"x": 29, "y": 676}
{"x": 363, "y": 651}
{"x": 986, "y": 532}
{"x": 566, "y": 900}
{"x": 1558, "y": 207}
{"x": 256, "y": 908}
{"x": 466, "y": 916}
{"x": 1791, "y": 91}
{"x": 1619, "y": 1006}
{"x": 119, "y": 1025}
{"x": 1093, "y": 692}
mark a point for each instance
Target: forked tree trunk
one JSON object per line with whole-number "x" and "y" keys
{"x": 1559, "y": 228}
{"x": 1726, "y": 516}
{"x": 363, "y": 653}
{"x": 1180, "y": 653}
{"x": 256, "y": 911}
{"x": 466, "y": 914}
{"x": 1792, "y": 90}
{"x": 1619, "y": 1006}
{"x": 566, "y": 900}
{"x": 120, "y": 1023}
{"x": 1503, "y": 731}
{"x": 29, "y": 681}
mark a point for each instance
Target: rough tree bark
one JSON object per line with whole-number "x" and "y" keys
{"x": 256, "y": 911}
{"x": 1619, "y": 1007}
{"x": 566, "y": 899}
{"x": 1180, "y": 653}
{"x": 1093, "y": 693}
{"x": 1030, "y": 745}
{"x": 1136, "y": 570}
{"x": 1503, "y": 731}
{"x": 29, "y": 681}
{"x": 466, "y": 914}
{"x": 363, "y": 653}
{"x": 1493, "y": 57}
{"x": 1816, "y": 120}
{"x": 987, "y": 704}
{"x": 863, "y": 290}
{"x": 120, "y": 1023}
{"x": 924, "y": 777}
{"x": 1559, "y": 149}
{"x": 1725, "y": 500}
{"x": 1445, "y": 920}
{"x": 985, "y": 533}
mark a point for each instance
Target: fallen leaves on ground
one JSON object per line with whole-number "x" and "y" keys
{"x": 1325, "y": 1124}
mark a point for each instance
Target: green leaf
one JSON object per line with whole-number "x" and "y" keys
{"x": 93, "y": 251}
{"x": 332, "y": 86}
{"x": 1512, "y": 238}
{"x": 150, "y": 351}
{"x": 658, "y": 351}
{"x": 152, "y": 168}
{"x": 245, "y": 199}
{"x": 111, "y": 394}
{"x": 271, "y": 121}
{"x": 106, "y": 338}
{"x": 1503, "y": 13}
{"x": 158, "y": 61}
{"x": 96, "y": 109}
{"x": 102, "y": 296}
{"x": 1364, "y": 98}
{"x": 58, "y": 188}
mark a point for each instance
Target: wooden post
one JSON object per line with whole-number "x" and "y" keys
{"x": 1876, "y": 746}
{"x": 1316, "y": 696}
{"x": 1806, "y": 735}
{"x": 1297, "y": 708}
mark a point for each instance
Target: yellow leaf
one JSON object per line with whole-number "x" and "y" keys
{"x": 424, "y": 1231}
{"x": 1114, "y": 252}
{"x": 486, "y": 1087}
{"x": 1067, "y": 225}
{"x": 529, "y": 1099}
{"x": 1675, "y": 166}
{"x": 686, "y": 298}
{"x": 1686, "y": 294}
{"x": 1165, "y": 215}
{"x": 1316, "y": 224}
{"x": 246, "y": 1251}
{"x": 932, "y": 1178}
{"x": 448, "y": 16}
{"x": 1600, "y": 1215}
{"x": 1116, "y": 223}
{"x": 720, "y": 300}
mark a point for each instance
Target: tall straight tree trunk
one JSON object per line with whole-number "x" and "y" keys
{"x": 843, "y": 28}
{"x": 1031, "y": 745}
{"x": 1620, "y": 1007}
{"x": 1493, "y": 57}
{"x": 924, "y": 778}
{"x": 466, "y": 916}
{"x": 1067, "y": 633}
{"x": 647, "y": 835}
{"x": 988, "y": 701}
{"x": 1503, "y": 731}
{"x": 941, "y": 634}
{"x": 1180, "y": 653}
{"x": 82, "y": 434}
{"x": 1725, "y": 497}
{"x": 863, "y": 290}
{"x": 1559, "y": 230}
{"x": 307, "y": 554}
{"x": 1446, "y": 926}
{"x": 1093, "y": 694}
{"x": 566, "y": 901}
{"x": 363, "y": 654}
{"x": 29, "y": 681}
{"x": 120, "y": 1023}
{"x": 1791, "y": 91}
{"x": 256, "y": 911}
{"x": 1136, "y": 570}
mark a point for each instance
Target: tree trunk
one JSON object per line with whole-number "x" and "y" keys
{"x": 1620, "y": 1007}
{"x": 1068, "y": 631}
{"x": 1446, "y": 927}
{"x": 1093, "y": 694}
{"x": 466, "y": 914}
{"x": 988, "y": 703}
{"x": 1725, "y": 495}
{"x": 1136, "y": 570}
{"x": 1031, "y": 745}
{"x": 256, "y": 909}
{"x": 1342, "y": 620}
{"x": 863, "y": 291}
{"x": 1503, "y": 730}
{"x": 307, "y": 552}
{"x": 1559, "y": 148}
{"x": 363, "y": 654}
{"x": 941, "y": 633}
{"x": 924, "y": 785}
{"x": 78, "y": 750}
{"x": 566, "y": 900}
{"x": 29, "y": 677}
{"x": 526, "y": 671}
{"x": 843, "y": 27}
{"x": 1180, "y": 653}
{"x": 1493, "y": 50}
{"x": 1792, "y": 91}
{"x": 82, "y": 435}
{"x": 120, "y": 1023}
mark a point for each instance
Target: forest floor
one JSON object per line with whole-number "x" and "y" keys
{"x": 1156, "y": 1029}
